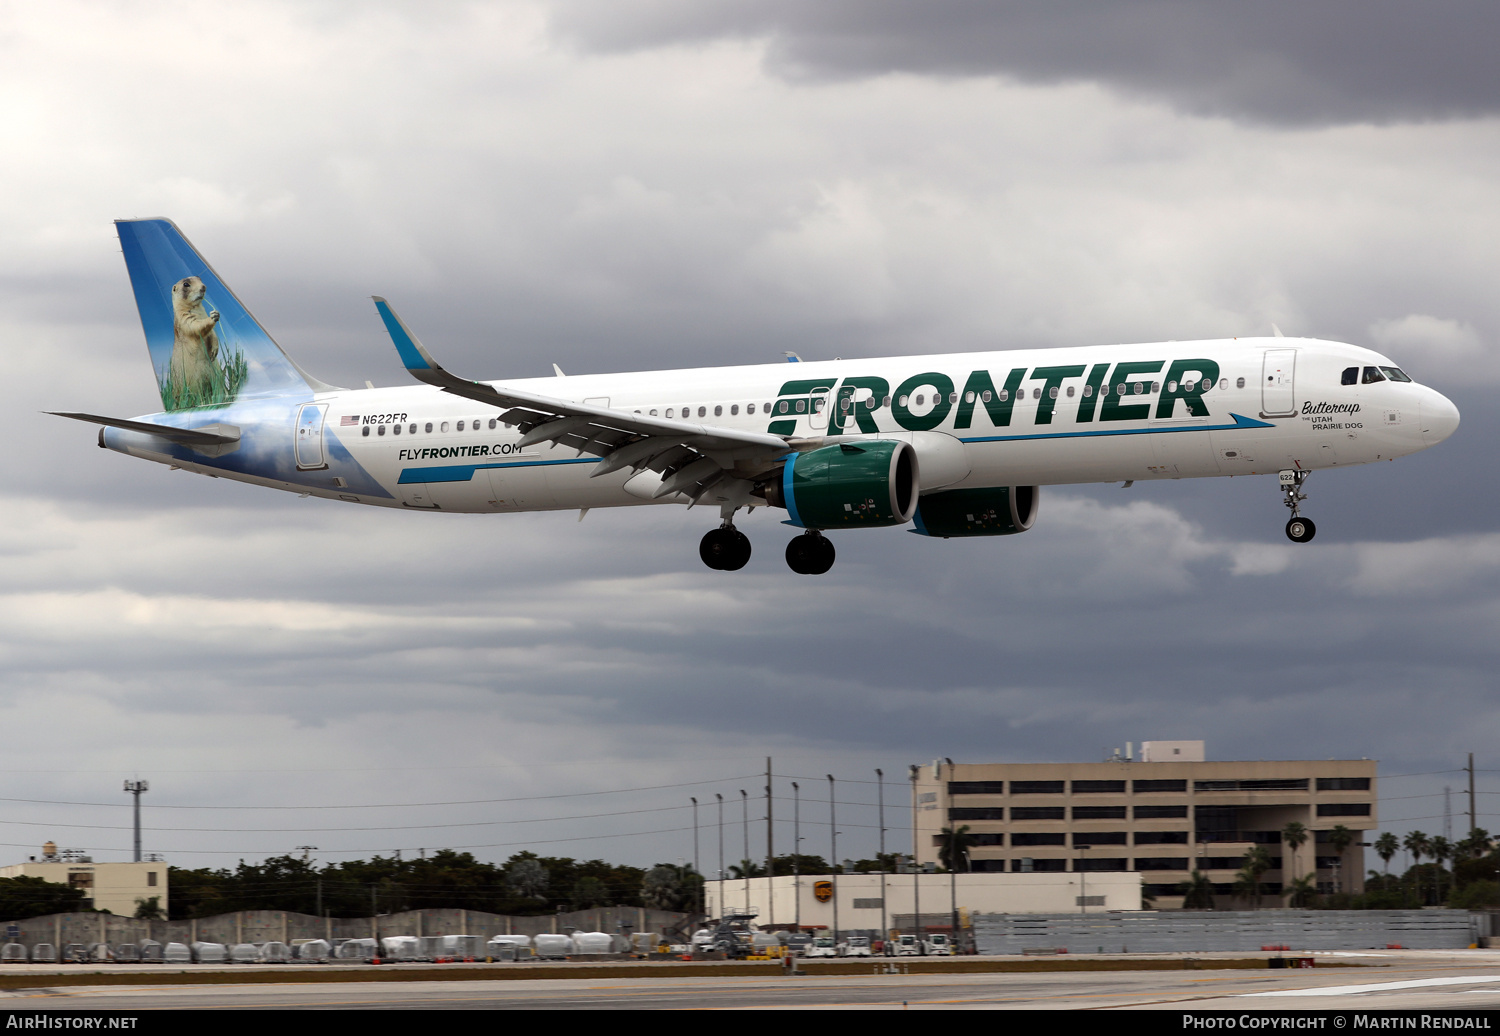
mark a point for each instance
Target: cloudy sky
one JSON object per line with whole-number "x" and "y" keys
{"x": 620, "y": 186}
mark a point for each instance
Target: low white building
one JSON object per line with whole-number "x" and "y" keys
{"x": 116, "y": 887}
{"x": 873, "y": 901}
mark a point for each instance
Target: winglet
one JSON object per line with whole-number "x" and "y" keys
{"x": 413, "y": 354}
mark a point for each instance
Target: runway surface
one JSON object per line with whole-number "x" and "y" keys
{"x": 1402, "y": 980}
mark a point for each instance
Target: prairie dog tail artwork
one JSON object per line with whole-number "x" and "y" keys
{"x": 195, "y": 345}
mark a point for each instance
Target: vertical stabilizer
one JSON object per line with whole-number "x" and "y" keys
{"x": 206, "y": 348}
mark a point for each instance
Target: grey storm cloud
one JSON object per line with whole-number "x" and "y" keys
{"x": 695, "y": 185}
{"x": 1281, "y": 62}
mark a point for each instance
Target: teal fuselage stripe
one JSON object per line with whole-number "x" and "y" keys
{"x": 1239, "y": 422}
{"x": 465, "y": 472}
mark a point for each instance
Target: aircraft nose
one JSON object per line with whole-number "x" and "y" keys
{"x": 1439, "y": 419}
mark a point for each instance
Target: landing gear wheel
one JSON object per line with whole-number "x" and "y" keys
{"x": 810, "y": 554}
{"x": 725, "y": 549}
{"x": 1300, "y": 530}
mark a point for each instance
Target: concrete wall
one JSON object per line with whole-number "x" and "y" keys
{"x": 1182, "y": 931}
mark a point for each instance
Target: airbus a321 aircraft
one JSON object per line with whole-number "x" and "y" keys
{"x": 955, "y": 445}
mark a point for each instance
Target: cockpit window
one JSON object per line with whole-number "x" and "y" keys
{"x": 1351, "y": 376}
{"x": 1372, "y": 375}
{"x": 1395, "y": 373}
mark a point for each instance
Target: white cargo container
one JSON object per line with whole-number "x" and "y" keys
{"x": 311, "y": 951}
{"x": 177, "y": 953}
{"x": 13, "y": 953}
{"x": 210, "y": 953}
{"x": 275, "y": 953}
{"x": 400, "y": 948}
{"x": 552, "y": 947}
{"x": 593, "y": 942}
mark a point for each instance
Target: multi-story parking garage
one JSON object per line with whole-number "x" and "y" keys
{"x": 1165, "y": 815}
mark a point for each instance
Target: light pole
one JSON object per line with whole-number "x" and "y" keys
{"x": 833, "y": 832}
{"x": 722, "y": 911}
{"x": 1083, "y": 879}
{"x": 916, "y": 876}
{"x": 137, "y": 788}
{"x": 797, "y": 854}
{"x": 745, "y": 820}
{"x": 885, "y": 933}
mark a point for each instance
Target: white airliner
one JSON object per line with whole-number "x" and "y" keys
{"x": 956, "y": 445}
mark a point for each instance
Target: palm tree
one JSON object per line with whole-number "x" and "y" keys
{"x": 1257, "y": 862}
{"x": 1197, "y": 892}
{"x": 1294, "y": 835}
{"x": 1417, "y": 844}
{"x": 1441, "y": 849}
{"x": 956, "y": 845}
{"x": 747, "y": 869}
{"x": 1386, "y": 846}
{"x": 1302, "y": 892}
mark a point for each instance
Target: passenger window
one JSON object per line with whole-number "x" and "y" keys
{"x": 1140, "y": 387}
{"x": 1004, "y": 395}
{"x": 749, "y": 408}
{"x": 380, "y": 430}
{"x": 1239, "y": 382}
{"x": 669, "y": 411}
{"x": 1070, "y": 391}
{"x": 801, "y": 405}
{"x": 412, "y": 430}
{"x": 1372, "y": 375}
{"x": 734, "y": 411}
{"x": 718, "y": 411}
{"x": 1187, "y": 386}
{"x": 952, "y": 398}
{"x": 1088, "y": 390}
{"x": 653, "y": 413}
{"x": 985, "y": 395}
{"x": 460, "y": 426}
{"x": 395, "y": 429}
{"x": 1224, "y": 383}
{"x": 365, "y": 431}
{"x": 1036, "y": 393}
{"x": 921, "y": 398}
{"x": 1120, "y": 389}
{"x": 1052, "y": 392}
{"x": 784, "y": 407}
{"x": 885, "y": 401}
{"x": 492, "y": 423}
{"x": 1156, "y": 386}
{"x": 1350, "y": 376}
{"x": 902, "y": 400}
{"x": 968, "y": 397}
{"x": 703, "y": 411}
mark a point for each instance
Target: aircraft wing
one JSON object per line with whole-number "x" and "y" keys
{"x": 691, "y": 458}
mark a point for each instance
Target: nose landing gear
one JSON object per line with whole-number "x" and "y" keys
{"x": 725, "y": 548}
{"x": 1298, "y": 529}
{"x": 810, "y": 554}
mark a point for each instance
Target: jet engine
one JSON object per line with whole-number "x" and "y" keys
{"x": 872, "y": 483}
{"x": 978, "y": 512}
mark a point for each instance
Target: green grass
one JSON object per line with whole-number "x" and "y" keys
{"x": 227, "y": 379}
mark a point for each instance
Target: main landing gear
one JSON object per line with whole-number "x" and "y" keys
{"x": 810, "y": 554}
{"x": 1298, "y": 529}
{"x": 725, "y": 548}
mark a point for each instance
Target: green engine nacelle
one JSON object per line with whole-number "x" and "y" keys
{"x": 871, "y": 483}
{"x": 978, "y": 512}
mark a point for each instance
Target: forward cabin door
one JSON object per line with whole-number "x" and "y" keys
{"x": 1278, "y": 397}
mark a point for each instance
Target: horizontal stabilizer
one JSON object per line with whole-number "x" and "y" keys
{"x": 206, "y": 435}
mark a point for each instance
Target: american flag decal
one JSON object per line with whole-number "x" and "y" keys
{"x": 347, "y": 420}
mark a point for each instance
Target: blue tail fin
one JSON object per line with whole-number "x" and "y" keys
{"x": 206, "y": 348}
